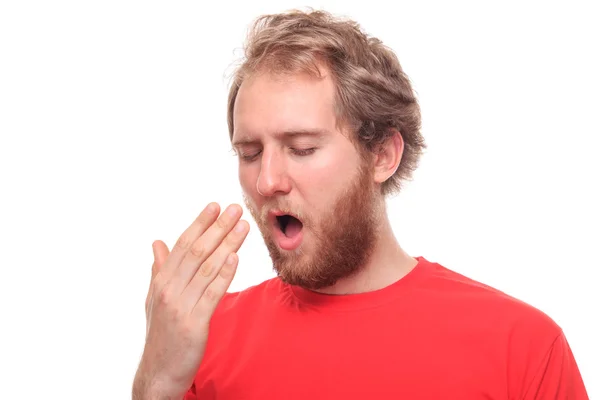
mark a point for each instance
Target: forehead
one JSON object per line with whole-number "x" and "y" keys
{"x": 268, "y": 104}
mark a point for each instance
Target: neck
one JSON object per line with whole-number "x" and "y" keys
{"x": 387, "y": 264}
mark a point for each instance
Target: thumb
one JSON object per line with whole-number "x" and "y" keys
{"x": 160, "y": 252}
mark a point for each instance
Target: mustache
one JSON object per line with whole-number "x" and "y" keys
{"x": 282, "y": 205}
{"x": 285, "y": 207}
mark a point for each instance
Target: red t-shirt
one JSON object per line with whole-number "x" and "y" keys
{"x": 434, "y": 334}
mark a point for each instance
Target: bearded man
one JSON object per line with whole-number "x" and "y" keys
{"x": 326, "y": 125}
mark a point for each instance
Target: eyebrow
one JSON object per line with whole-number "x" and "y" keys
{"x": 288, "y": 134}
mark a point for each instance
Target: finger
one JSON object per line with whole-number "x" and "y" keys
{"x": 204, "y": 247}
{"x": 206, "y": 305}
{"x": 155, "y": 262}
{"x": 213, "y": 264}
{"x": 161, "y": 252}
{"x": 188, "y": 237}
{"x": 148, "y": 295}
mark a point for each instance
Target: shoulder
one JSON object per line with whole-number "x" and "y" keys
{"x": 516, "y": 331}
{"x": 478, "y": 300}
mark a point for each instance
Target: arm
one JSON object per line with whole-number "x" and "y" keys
{"x": 140, "y": 393}
{"x": 558, "y": 376}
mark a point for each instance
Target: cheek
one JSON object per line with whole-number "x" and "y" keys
{"x": 321, "y": 185}
{"x": 334, "y": 163}
{"x": 247, "y": 181}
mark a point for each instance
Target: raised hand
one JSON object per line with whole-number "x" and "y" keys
{"x": 186, "y": 287}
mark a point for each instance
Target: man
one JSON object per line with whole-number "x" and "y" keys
{"x": 326, "y": 125}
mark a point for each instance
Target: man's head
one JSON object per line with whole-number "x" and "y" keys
{"x": 325, "y": 124}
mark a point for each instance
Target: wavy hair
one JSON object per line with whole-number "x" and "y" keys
{"x": 373, "y": 94}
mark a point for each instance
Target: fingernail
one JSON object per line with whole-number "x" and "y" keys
{"x": 230, "y": 259}
{"x": 232, "y": 210}
{"x": 211, "y": 208}
{"x": 239, "y": 227}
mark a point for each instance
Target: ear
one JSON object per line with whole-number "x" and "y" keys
{"x": 388, "y": 156}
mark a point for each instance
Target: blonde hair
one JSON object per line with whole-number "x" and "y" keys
{"x": 373, "y": 95}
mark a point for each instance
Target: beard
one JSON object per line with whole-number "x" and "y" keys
{"x": 341, "y": 241}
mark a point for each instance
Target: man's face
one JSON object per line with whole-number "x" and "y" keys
{"x": 304, "y": 182}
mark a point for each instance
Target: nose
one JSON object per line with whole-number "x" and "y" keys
{"x": 273, "y": 177}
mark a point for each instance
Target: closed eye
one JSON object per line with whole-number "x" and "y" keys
{"x": 303, "y": 152}
{"x": 249, "y": 157}
{"x": 298, "y": 152}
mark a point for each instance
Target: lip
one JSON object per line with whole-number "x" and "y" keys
{"x": 283, "y": 241}
{"x": 273, "y": 214}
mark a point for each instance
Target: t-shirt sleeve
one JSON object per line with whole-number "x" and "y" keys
{"x": 191, "y": 393}
{"x": 558, "y": 376}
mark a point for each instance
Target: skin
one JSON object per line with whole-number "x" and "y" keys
{"x": 188, "y": 282}
{"x": 186, "y": 286}
{"x": 276, "y": 171}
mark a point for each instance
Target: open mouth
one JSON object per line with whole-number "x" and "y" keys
{"x": 289, "y": 225}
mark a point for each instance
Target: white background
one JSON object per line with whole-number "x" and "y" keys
{"x": 113, "y": 134}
